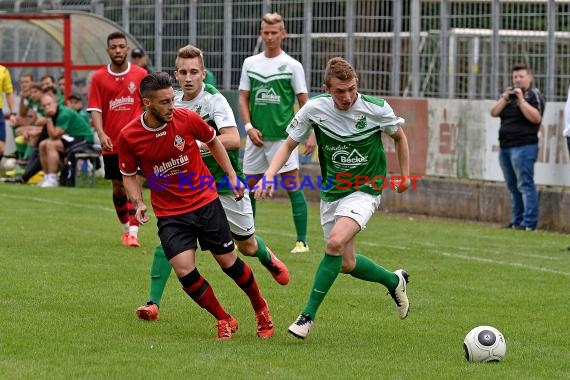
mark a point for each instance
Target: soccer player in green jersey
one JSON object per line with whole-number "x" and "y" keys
{"x": 348, "y": 127}
{"x": 270, "y": 83}
{"x": 209, "y": 103}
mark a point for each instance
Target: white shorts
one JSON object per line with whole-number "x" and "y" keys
{"x": 358, "y": 206}
{"x": 256, "y": 159}
{"x": 239, "y": 214}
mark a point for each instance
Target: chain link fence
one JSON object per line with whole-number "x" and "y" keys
{"x": 414, "y": 48}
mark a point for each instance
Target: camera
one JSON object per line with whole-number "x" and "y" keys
{"x": 512, "y": 93}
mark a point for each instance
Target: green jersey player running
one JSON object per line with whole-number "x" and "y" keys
{"x": 348, "y": 127}
{"x": 205, "y": 100}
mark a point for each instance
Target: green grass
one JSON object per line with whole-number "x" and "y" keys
{"x": 69, "y": 291}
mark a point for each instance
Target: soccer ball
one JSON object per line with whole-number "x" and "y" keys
{"x": 484, "y": 344}
{"x": 10, "y": 163}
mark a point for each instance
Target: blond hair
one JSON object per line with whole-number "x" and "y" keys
{"x": 189, "y": 52}
{"x": 339, "y": 67}
{"x": 272, "y": 19}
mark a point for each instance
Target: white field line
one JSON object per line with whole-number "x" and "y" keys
{"x": 59, "y": 203}
{"x": 500, "y": 251}
{"x": 499, "y": 262}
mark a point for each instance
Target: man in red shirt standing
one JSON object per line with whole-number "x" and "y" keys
{"x": 114, "y": 101}
{"x": 161, "y": 143}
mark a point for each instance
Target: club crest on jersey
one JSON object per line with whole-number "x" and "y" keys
{"x": 360, "y": 122}
{"x": 132, "y": 87}
{"x": 179, "y": 142}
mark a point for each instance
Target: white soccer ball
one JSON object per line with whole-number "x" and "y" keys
{"x": 484, "y": 344}
{"x": 10, "y": 163}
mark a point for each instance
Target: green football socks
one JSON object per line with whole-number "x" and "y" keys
{"x": 159, "y": 273}
{"x": 367, "y": 270}
{"x": 262, "y": 253}
{"x": 327, "y": 272}
{"x": 29, "y": 151}
{"x": 299, "y": 208}
{"x": 253, "y": 203}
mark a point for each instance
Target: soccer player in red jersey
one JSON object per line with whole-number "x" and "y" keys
{"x": 114, "y": 101}
{"x": 161, "y": 143}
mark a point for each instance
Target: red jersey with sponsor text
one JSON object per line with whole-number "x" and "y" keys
{"x": 170, "y": 160}
{"x": 117, "y": 97}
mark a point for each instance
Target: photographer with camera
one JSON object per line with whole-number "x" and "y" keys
{"x": 520, "y": 108}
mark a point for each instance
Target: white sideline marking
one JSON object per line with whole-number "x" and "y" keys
{"x": 536, "y": 256}
{"x": 59, "y": 203}
{"x": 472, "y": 249}
{"x": 517, "y": 265}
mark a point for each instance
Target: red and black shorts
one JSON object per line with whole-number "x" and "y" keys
{"x": 207, "y": 225}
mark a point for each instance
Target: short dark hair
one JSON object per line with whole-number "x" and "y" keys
{"x": 50, "y": 90}
{"x": 154, "y": 82}
{"x": 36, "y": 86}
{"x": 116, "y": 36}
{"x": 520, "y": 66}
{"x": 48, "y": 76}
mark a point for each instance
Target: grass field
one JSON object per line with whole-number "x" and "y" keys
{"x": 69, "y": 291}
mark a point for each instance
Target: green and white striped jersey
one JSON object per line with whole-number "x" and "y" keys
{"x": 273, "y": 84}
{"x": 349, "y": 142}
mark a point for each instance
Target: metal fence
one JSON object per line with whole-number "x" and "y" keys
{"x": 410, "y": 48}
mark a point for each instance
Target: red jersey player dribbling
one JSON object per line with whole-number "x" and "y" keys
{"x": 114, "y": 101}
{"x": 162, "y": 144}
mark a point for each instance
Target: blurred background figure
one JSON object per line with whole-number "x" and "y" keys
{"x": 7, "y": 89}
{"x": 75, "y": 102}
{"x": 139, "y": 58}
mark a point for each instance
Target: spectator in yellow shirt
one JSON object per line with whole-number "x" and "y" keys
{"x": 7, "y": 88}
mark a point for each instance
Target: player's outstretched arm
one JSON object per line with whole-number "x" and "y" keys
{"x": 403, "y": 152}
{"x": 221, "y": 156}
{"x": 229, "y": 137}
{"x": 264, "y": 187}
